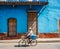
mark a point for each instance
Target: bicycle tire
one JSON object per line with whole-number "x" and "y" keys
{"x": 22, "y": 42}
{"x": 33, "y": 42}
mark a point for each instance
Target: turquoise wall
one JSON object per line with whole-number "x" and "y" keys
{"x": 18, "y": 12}
{"x": 48, "y": 18}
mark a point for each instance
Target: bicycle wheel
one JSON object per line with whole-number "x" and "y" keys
{"x": 22, "y": 42}
{"x": 33, "y": 42}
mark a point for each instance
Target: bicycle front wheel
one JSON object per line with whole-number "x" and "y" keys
{"x": 22, "y": 42}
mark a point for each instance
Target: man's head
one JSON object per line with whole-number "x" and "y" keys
{"x": 30, "y": 28}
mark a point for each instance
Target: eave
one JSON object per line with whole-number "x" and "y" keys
{"x": 23, "y": 3}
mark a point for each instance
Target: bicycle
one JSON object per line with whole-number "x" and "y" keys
{"x": 33, "y": 41}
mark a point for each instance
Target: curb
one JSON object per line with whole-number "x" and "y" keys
{"x": 39, "y": 40}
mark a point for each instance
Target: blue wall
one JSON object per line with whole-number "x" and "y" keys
{"x": 48, "y": 19}
{"x": 18, "y": 12}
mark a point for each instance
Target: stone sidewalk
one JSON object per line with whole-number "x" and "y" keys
{"x": 39, "y": 40}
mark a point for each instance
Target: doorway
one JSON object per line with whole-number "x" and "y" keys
{"x": 32, "y": 21}
{"x": 12, "y": 27}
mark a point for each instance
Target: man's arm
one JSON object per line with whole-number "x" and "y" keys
{"x": 26, "y": 34}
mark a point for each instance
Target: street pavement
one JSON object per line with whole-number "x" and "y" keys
{"x": 51, "y": 45}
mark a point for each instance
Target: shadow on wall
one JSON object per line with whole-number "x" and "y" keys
{"x": 48, "y": 19}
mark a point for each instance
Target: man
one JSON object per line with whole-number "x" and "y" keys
{"x": 27, "y": 36}
{"x": 30, "y": 32}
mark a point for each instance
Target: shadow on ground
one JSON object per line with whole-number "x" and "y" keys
{"x": 21, "y": 45}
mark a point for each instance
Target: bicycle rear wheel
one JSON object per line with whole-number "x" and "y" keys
{"x": 33, "y": 42}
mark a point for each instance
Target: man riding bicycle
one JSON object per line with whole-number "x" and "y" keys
{"x": 29, "y": 34}
{"x": 30, "y": 37}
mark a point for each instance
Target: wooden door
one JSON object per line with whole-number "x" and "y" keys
{"x": 11, "y": 27}
{"x": 32, "y": 21}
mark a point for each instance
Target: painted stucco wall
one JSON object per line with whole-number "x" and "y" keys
{"x": 48, "y": 19}
{"x": 18, "y": 12}
{"x": 11, "y": 12}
